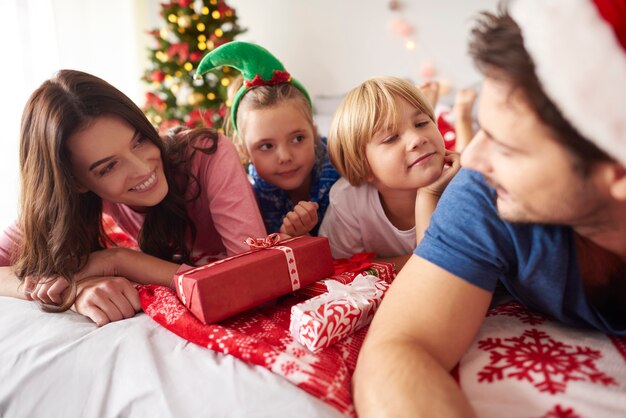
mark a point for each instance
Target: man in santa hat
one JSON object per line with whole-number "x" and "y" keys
{"x": 539, "y": 208}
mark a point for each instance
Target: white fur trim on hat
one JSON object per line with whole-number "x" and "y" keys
{"x": 581, "y": 65}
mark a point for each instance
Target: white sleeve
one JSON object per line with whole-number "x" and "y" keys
{"x": 340, "y": 224}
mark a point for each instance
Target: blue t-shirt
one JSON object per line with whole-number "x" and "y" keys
{"x": 275, "y": 203}
{"x": 537, "y": 264}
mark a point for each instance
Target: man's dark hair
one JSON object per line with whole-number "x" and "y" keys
{"x": 497, "y": 48}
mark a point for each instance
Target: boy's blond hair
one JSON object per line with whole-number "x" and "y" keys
{"x": 366, "y": 110}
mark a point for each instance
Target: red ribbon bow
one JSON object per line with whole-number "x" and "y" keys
{"x": 269, "y": 241}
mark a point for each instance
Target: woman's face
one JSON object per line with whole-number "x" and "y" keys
{"x": 113, "y": 160}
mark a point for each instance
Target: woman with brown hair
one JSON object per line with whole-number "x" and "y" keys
{"x": 87, "y": 150}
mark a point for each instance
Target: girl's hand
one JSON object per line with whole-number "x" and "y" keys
{"x": 453, "y": 161}
{"x": 106, "y": 299}
{"x": 300, "y": 220}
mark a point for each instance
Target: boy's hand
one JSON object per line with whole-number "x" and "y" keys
{"x": 453, "y": 162}
{"x": 106, "y": 299}
{"x": 300, "y": 220}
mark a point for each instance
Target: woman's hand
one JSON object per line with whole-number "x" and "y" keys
{"x": 106, "y": 299}
{"x": 453, "y": 162}
{"x": 300, "y": 220}
{"x": 50, "y": 290}
{"x": 45, "y": 290}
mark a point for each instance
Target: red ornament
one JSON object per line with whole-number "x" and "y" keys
{"x": 154, "y": 101}
{"x": 184, "y": 3}
{"x": 182, "y": 50}
{"x": 157, "y": 75}
{"x": 195, "y": 56}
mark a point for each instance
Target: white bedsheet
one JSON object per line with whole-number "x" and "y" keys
{"x": 62, "y": 365}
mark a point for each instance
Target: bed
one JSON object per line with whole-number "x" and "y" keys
{"x": 165, "y": 363}
{"x": 62, "y": 365}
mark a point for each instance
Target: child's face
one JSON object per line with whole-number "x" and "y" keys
{"x": 280, "y": 142}
{"x": 409, "y": 157}
{"x": 113, "y": 160}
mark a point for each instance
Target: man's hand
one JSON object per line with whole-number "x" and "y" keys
{"x": 300, "y": 220}
{"x": 106, "y": 299}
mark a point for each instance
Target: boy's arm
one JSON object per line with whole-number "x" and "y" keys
{"x": 428, "y": 196}
{"x": 424, "y": 325}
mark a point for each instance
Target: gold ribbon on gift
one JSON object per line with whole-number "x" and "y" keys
{"x": 359, "y": 291}
{"x": 256, "y": 244}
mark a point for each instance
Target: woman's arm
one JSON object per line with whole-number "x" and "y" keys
{"x": 229, "y": 197}
{"x": 10, "y": 285}
{"x": 133, "y": 265}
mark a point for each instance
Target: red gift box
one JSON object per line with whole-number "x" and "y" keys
{"x": 323, "y": 320}
{"x": 226, "y": 287}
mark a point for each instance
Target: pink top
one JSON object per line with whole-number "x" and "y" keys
{"x": 225, "y": 213}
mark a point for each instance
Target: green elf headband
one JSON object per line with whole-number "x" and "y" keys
{"x": 257, "y": 65}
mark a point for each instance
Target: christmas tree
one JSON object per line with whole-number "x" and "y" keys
{"x": 193, "y": 28}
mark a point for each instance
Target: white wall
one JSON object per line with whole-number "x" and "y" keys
{"x": 332, "y": 45}
{"x": 329, "y": 45}
{"x": 39, "y": 37}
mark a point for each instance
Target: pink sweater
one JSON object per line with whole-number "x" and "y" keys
{"x": 225, "y": 213}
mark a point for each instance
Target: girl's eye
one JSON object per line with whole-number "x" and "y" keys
{"x": 266, "y": 147}
{"x": 106, "y": 169}
{"x": 299, "y": 138}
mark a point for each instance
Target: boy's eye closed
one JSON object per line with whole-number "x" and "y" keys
{"x": 422, "y": 124}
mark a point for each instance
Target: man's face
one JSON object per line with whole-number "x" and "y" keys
{"x": 534, "y": 176}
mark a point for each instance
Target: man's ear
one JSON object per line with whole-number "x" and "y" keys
{"x": 617, "y": 186}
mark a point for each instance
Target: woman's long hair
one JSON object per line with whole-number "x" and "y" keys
{"x": 61, "y": 226}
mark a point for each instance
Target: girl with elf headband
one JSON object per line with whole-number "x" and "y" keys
{"x": 87, "y": 150}
{"x": 386, "y": 144}
{"x": 272, "y": 121}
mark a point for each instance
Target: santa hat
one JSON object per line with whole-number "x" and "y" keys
{"x": 257, "y": 66}
{"x": 579, "y": 50}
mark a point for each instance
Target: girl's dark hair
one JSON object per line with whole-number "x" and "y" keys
{"x": 60, "y": 225}
{"x": 497, "y": 48}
